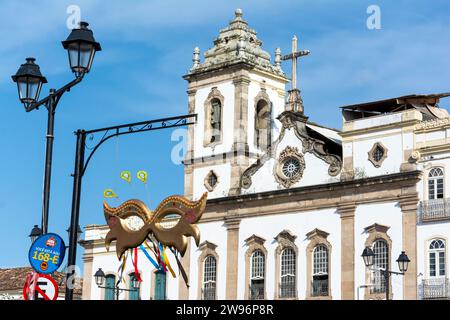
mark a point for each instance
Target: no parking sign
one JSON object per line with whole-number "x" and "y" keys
{"x": 40, "y": 287}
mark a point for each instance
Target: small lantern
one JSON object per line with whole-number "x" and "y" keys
{"x": 35, "y": 233}
{"x": 81, "y": 47}
{"x": 29, "y": 81}
{"x": 135, "y": 283}
{"x": 99, "y": 277}
{"x": 403, "y": 262}
{"x": 368, "y": 256}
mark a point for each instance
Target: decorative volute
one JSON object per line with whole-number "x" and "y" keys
{"x": 236, "y": 43}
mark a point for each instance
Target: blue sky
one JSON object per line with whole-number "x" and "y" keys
{"x": 147, "y": 47}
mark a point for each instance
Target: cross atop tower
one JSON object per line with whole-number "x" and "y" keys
{"x": 293, "y": 56}
{"x": 294, "y": 101}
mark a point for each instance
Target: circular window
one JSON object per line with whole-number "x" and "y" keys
{"x": 291, "y": 167}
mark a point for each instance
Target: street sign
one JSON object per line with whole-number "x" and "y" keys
{"x": 40, "y": 287}
{"x": 47, "y": 253}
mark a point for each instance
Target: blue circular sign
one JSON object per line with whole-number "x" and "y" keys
{"x": 47, "y": 253}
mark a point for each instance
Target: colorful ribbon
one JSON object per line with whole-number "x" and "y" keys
{"x": 166, "y": 261}
{"x": 149, "y": 257}
{"x": 135, "y": 264}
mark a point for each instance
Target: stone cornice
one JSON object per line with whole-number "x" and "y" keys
{"x": 207, "y": 245}
{"x": 395, "y": 125}
{"x": 286, "y": 234}
{"x": 431, "y": 125}
{"x": 254, "y": 239}
{"x": 357, "y": 183}
{"x": 376, "y": 228}
{"x": 393, "y": 187}
{"x": 317, "y": 233}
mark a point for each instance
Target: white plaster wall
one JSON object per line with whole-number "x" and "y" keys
{"x": 429, "y": 136}
{"x": 391, "y": 164}
{"x": 299, "y": 224}
{"x": 377, "y": 121}
{"x": 388, "y": 214}
{"x": 216, "y": 233}
{"x": 223, "y": 172}
{"x": 227, "y": 90}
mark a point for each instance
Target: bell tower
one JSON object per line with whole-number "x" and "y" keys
{"x": 237, "y": 92}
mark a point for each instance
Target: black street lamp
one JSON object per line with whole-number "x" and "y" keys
{"x": 368, "y": 256}
{"x": 81, "y": 47}
{"x": 29, "y": 81}
{"x": 35, "y": 233}
{"x": 99, "y": 277}
{"x": 403, "y": 262}
{"x": 100, "y": 280}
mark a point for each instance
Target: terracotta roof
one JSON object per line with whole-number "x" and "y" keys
{"x": 14, "y": 279}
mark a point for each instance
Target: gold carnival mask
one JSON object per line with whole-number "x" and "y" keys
{"x": 188, "y": 213}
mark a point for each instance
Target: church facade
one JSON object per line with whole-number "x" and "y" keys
{"x": 292, "y": 204}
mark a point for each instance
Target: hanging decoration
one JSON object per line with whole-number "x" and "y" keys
{"x": 126, "y": 175}
{"x": 109, "y": 193}
{"x": 156, "y": 236}
{"x": 142, "y": 175}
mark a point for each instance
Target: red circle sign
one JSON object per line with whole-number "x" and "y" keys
{"x": 40, "y": 287}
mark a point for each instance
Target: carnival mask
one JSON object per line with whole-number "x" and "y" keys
{"x": 187, "y": 212}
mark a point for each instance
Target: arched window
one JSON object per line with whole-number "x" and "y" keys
{"x": 436, "y": 258}
{"x": 380, "y": 260}
{"x": 133, "y": 294}
{"x": 287, "y": 283}
{"x": 263, "y": 125}
{"x": 110, "y": 284}
{"x": 209, "y": 278}
{"x": 257, "y": 275}
{"x": 320, "y": 271}
{"x": 436, "y": 184}
{"x": 215, "y": 120}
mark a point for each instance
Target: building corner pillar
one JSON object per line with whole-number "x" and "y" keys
{"x": 240, "y": 147}
{"x": 409, "y": 223}
{"x": 232, "y": 225}
{"x": 347, "y": 213}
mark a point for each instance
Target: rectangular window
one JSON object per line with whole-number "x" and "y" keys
{"x": 432, "y": 264}
{"x": 431, "y": 189}
{"x": 442, "y": 263}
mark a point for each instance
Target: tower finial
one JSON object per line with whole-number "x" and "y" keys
{"x": 196, "y": 57}
{"x": 238, "y": 13}
{"x": 278, "y": 58}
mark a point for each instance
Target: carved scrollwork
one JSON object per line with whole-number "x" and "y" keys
{"x": 290, "y": 167}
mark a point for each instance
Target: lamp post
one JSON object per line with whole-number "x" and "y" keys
{"x": 81, "y": 47}
{"x": 79, "y": 232}
{"x": 403, "y": 261}
{"x": 100, "y": 280}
